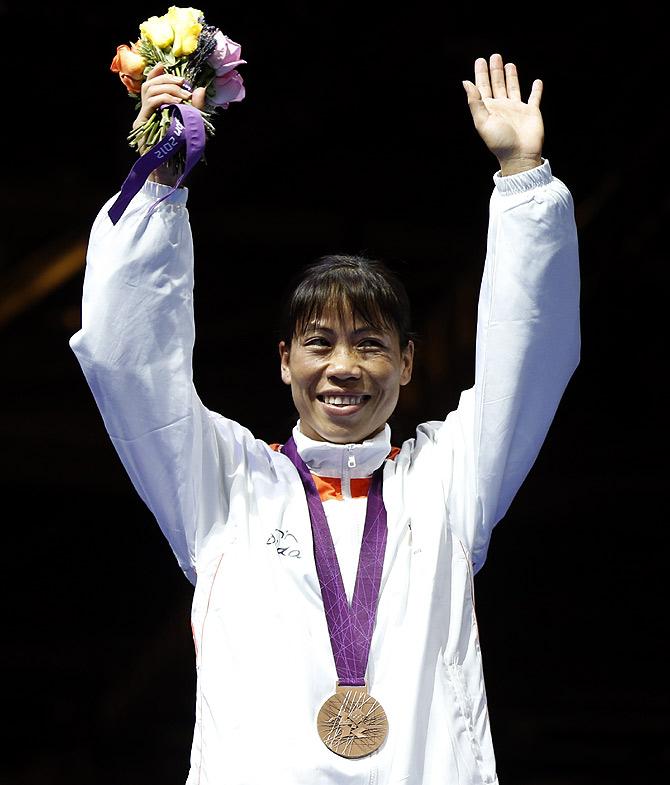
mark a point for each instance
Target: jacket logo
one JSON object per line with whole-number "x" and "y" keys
{"x": 284, "y": 542}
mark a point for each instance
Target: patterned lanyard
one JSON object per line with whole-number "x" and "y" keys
{"x": 350, "y": 628}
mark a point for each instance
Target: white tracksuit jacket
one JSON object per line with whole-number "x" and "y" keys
{"x": 235, "y": 514}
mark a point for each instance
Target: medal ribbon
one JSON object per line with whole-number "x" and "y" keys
{"x": 350, "y": 628}
{"x": 189, "y": 131}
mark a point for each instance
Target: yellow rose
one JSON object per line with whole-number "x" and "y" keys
{"x": 158, "y": 30}
{"x": 186, "y": 28}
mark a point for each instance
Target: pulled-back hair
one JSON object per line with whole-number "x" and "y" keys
{"x": 366, "y": 287}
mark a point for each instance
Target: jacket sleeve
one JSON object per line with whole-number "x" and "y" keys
{"x": 527, "y": 348}
{"x": 135, "y": 349}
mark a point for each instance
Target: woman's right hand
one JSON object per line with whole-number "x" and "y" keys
{"x": 160, "y": 88}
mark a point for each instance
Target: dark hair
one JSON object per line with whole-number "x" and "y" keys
{"x": 367, "y": 286}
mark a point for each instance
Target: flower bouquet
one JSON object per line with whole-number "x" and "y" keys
{"x": 187, "y": 46}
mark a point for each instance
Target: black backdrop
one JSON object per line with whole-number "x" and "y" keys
{"x": 354, "y": 136}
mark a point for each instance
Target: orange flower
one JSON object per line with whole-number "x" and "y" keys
{"x": 129, "y": 65}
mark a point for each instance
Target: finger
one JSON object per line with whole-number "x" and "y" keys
{"x": 482, "y": 77}
{"x": 512, "y": 79}
{"x": 150, "y": 105}
{"x": 173, "y": 86}
{"x": 161, "y": 81}
{"x": 478, "y": 110}
{"x": 159, "y": 68}
{"x": 497, "y": 74}
{"x": 155, "y": 103}
{"x": 155, "y": 93}
{"x": 535, "y": 93}
{"x": 199, "y": 98}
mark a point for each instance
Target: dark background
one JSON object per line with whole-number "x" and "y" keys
{"x": 354, "y": 136}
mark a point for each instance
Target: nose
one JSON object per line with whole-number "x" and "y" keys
{"x": 344, "y": 364}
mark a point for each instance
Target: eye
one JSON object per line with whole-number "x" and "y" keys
{"x": 371, "y": 343}
{"x": 316, "y": 341}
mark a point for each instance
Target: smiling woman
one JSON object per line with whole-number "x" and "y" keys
{"x": 348, "y": 350}
{"x": 367, "y": 551}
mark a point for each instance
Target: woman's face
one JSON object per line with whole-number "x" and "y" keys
{"x": 345, "y": 377}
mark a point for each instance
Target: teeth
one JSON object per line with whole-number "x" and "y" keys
{"x": 343, "y": 400}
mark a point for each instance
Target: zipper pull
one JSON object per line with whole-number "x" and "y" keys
{"x": 351, "y": 461}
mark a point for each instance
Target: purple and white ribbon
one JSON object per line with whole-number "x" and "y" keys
{"x": 186, "y": 130}
{"x": 350, "y": 628}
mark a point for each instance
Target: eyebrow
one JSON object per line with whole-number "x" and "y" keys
{"x": 357, "y": 331}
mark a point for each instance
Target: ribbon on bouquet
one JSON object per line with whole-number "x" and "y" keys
{"x": 186, "y": 130}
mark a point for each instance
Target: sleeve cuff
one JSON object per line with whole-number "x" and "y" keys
{"x": 523, "y": 181}
{"x": 151, "y": 191}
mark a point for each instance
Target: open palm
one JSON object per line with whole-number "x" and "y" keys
{"x": 511, "y": 129}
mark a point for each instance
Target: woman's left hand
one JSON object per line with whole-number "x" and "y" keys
{"x": 511, "y": 129}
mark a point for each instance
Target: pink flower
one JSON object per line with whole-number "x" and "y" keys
{"x": 227, "y": 88}
{"x": 226, "y": 56}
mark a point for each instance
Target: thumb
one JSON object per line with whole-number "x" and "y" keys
{"x": 198, "y": 99}
{"x": 477, "y": 108}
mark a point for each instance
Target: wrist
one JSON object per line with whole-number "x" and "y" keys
{"x": 164, "y": 175}
{"x": 523, "y": 181}
{"x": 520, "y": 163}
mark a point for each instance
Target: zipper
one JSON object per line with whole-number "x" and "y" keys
{"x": 349, "y": 464}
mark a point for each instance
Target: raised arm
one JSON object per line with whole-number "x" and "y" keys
{"x": 528, "y": 335}
{"x": 135, "y": 348}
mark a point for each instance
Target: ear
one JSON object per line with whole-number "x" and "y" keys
{"x": 283, "y": 359}
{"x": 408, "y": 362}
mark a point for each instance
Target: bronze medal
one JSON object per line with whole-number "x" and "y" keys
{"x": 351, "y": 723}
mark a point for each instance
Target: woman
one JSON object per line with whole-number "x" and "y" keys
{"x": 333, "y": 616}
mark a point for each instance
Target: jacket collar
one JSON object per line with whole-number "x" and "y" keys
{"x": 326, "y": 459}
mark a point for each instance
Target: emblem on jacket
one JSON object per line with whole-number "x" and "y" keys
{"x": 284, "y": 542}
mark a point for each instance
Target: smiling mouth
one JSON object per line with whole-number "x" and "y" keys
{"x": 343, "y": 400}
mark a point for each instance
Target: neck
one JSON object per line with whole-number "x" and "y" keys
{"x": 328, "y": 459}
